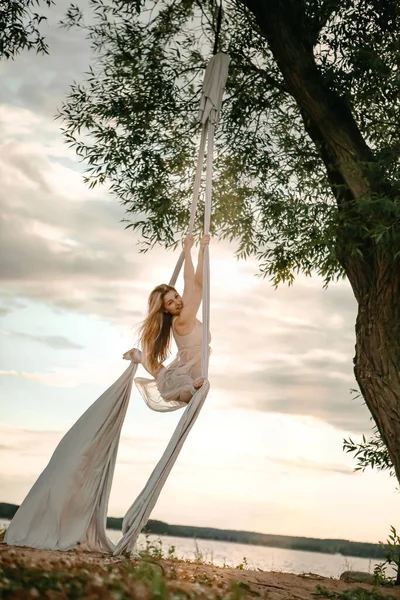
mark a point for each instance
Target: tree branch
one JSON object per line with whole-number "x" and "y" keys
{"x": 250, "y": 66}
{"x": 326, "y": 11}
{"x": 282, "y": 24}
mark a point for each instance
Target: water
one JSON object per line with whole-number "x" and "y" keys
{"x": 257, "y": 557}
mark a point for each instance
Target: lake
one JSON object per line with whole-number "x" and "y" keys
{"x": 257, "y": 557}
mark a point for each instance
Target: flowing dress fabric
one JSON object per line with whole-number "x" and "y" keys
{"x": 67, "y": 506}
{"x": 162, "y": 394}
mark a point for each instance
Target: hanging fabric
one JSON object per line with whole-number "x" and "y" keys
{"x": 67, "y": 506}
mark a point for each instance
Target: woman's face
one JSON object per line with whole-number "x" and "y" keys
{"x": 173, "y": 303}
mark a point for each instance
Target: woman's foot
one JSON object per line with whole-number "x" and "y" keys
{"x": 188, "y": 394}
{"x": 197, "y": 383}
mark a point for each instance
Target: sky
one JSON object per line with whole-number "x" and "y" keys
{"x": 266, "y": 452}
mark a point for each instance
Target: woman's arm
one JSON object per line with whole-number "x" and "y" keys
{"x": 198, "y": 278}
{"x": 186, "y": 320}
{"x": 188, "y": 270}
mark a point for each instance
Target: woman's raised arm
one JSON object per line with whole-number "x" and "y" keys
{"x": 186, "y": 320}
{"x": 198, "y": 278}
{"x": 188, "y": 269}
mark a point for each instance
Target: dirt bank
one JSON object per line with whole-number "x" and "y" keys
{"x": 30, "y": 573}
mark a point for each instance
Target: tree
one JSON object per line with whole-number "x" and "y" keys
{"x": 370, "y": 453}
{"x": 307, "y": 161}
{"x": 19, "y": 27}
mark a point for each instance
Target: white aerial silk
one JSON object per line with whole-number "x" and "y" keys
{"x": 67, "y": 506}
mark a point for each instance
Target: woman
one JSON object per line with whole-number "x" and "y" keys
{"x": 169, "y": 315}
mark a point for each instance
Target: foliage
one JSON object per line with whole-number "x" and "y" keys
{"x": 134, "y": 123}
{"x": 152, "y": 549}
{"x": 370, "y": 453}
{"x": 391, "y": 550}
{"x": 243, "y": 565}
{"x": 351, "y": 594}
{"x": 171, "y": 554}
{"x": 198, "y": 554}
{"x": 7, "y": 511}
{"x": 19, "y": 27}
{"x": 380, "y": 575}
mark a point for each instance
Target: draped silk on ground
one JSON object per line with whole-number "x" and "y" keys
{"x": 67, "y": 506}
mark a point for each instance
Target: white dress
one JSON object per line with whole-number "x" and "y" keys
{"x": 163, "y": 393}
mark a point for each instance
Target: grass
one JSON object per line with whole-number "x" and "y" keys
{"x": 351, "y": 594}
{"x": 153, "y": 549}
{"x": 122, "y": 580}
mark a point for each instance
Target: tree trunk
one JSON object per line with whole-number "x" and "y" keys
{"x": 282, "y": 22}
{"x": 377, "y": 359}
{"x": 375, "y": 279}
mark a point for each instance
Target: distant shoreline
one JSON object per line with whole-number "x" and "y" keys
{"x": 325, "y": 546}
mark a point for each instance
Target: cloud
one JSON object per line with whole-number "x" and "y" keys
{"x": 73, "y": 253}
{"x": 9, "y": 303}
{"x": 41, "y": 82}
{"x": 57, "y": 342}
{"x": 311, "y": 465}
{"x": 82, "y": 373}
{"x": 289, "y": 351}
{"x": 318, "y": 395}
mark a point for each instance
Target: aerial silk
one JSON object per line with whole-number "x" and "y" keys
{"x": 67, "y": 506}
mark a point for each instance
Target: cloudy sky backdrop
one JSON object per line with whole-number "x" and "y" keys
{"x": 266, "y": 453}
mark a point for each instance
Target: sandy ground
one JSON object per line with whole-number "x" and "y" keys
{"x": 204, "y": 579}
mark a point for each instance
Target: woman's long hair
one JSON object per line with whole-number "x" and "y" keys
{"x": 155, "y": 332}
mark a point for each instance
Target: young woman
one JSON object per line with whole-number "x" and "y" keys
{"x": 169, "y": 315}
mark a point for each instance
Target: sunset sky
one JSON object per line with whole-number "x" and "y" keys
{"x": 266, "y": 452}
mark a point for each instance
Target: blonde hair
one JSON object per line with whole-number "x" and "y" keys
{"x": 155, "y": 332}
